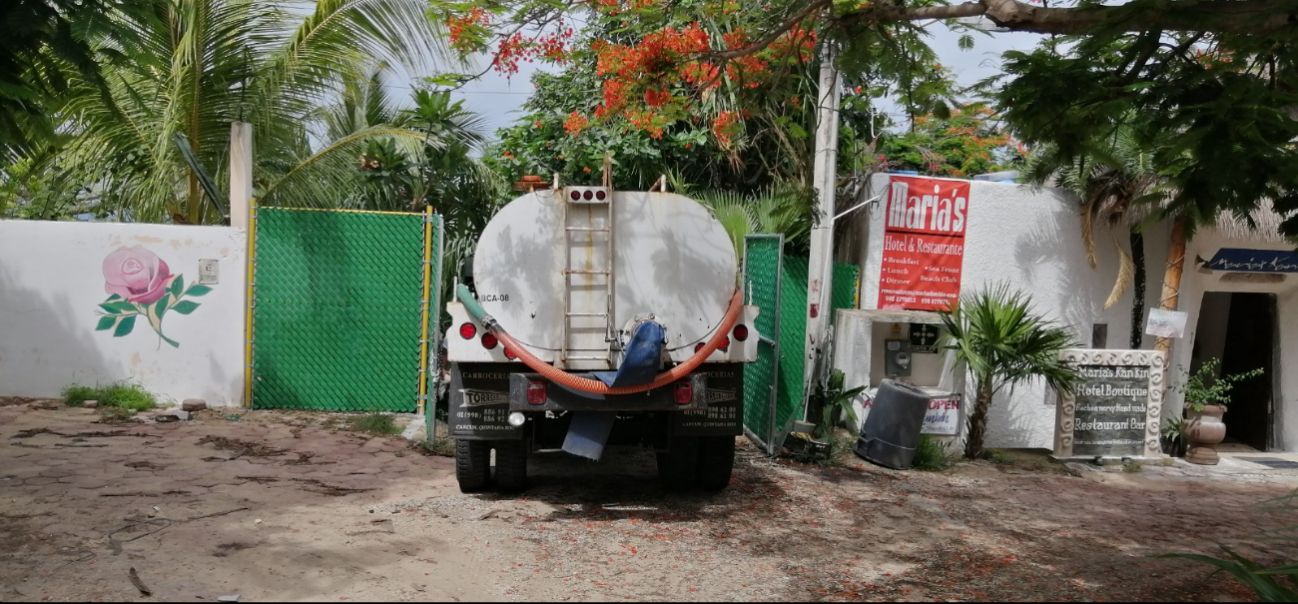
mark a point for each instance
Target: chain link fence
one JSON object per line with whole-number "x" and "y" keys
{"x": 773, "y": 386}
{"x": 341, "y": 306}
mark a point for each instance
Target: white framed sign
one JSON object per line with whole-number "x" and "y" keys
{"x": 1117, "y": 408}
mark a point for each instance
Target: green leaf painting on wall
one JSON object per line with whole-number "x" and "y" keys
{"x": 140, "y": 284}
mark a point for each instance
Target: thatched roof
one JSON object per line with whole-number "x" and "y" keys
{"x": 1266, "y": 227}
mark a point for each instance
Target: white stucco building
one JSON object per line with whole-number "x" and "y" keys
{"x": 1031, "y": 239}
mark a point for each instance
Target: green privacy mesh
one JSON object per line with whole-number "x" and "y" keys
{"x": 337, "y": 315}
{"x": 762, "y": 264}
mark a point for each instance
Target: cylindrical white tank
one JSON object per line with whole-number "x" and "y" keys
{"x": 542, "y": 267}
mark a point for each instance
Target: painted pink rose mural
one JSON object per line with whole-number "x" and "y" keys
{"x": 140, "y": 284}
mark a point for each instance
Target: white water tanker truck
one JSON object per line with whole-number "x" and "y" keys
{"x": 599, "y": 318}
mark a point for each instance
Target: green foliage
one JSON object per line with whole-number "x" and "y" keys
{"x": 376, "y": 423}
{"x": 1209, "y": 108}
{"x": 191, "y": 67}
{"x": 131, "y": 397}
{"x": 786, "y": 210}
{"x": 1270, "y": 584}
{"x": 541, "y": 143}
{"x": 1204, "y": 387}
{"x": 831, "y": 406}
{"x": 1173, "y": 437}
{"x": 43, "y": 53}
{"x": 931, "y": 455}
{"x": 1003, "y": 341}
{"x": 966, "y": 143}
{"x": 74, "y": 395}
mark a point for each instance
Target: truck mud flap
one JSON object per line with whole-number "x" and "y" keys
{"x": 724, "y": 415}
{"x": 479, "y": 402}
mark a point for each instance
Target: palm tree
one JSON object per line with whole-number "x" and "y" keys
{"x": 997, "y": 334}
{"x": 191, "y": 67}
{"x": 1112, "y": 178}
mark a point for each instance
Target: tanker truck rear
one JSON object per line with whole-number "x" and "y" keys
{"x": 599, "y": 318}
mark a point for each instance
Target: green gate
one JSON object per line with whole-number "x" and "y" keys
{"x": 773, "y": 386}
{"x": 339, "y": 309}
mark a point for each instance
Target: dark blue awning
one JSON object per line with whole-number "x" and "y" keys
{"x": 1254, "y": 261}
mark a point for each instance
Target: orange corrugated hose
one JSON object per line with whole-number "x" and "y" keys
{"x": 564, "y": 378}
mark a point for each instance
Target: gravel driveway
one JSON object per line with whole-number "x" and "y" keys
{"x": 284, "y": 506}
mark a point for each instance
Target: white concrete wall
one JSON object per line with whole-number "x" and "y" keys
{"x": 1194, "y": 284}
{"x": 1030, "y": 238}
{"x": 52, "y": 280}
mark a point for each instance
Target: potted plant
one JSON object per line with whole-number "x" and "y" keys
{"x": 1206, "y": 397}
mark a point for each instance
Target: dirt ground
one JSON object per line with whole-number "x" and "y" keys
{"x": 286, "y": 507}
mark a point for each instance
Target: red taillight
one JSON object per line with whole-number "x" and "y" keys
{"x": 536, "y": 393}
{"x": 600, "y": 195}
{"x": 489, "y": 341}
{"x": 468, "y": 330}
{"x": 576, "y": 195}
{"x": 725, "y": 343}
{"x": 698, "y": 347}
{"x": 741, "y": 332}
{"x": 509, "y": 354}
{"x": 588, "y": 195}
{"x": 684, "y": 393}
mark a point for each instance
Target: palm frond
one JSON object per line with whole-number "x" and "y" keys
{"x": 1126, "y": 273}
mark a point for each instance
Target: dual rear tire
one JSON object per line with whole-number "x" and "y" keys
{"x": 702, "y": 462}
{"x": 473, "y": 465}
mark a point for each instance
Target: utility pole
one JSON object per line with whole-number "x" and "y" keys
{"x": 820, "y": 269}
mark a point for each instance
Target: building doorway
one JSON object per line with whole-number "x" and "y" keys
{"x": 1240, "y": 329}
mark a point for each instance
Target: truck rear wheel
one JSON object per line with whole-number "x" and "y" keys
{"x": 716, "y": 462}
{"x": 678, "y": 466}
{"x": 472, "y": 464}
{"x": 511, "y": 465}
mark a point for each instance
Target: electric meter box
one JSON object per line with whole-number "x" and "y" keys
{"x": 896, "y": 358}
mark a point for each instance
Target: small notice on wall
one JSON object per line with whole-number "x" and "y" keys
{"x": 1166, "y": 323}
{"x": 1116, "y": 408}
{"x": 923, "y": 244}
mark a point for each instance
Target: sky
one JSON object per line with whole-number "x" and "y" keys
{"x": 498, "y": 99}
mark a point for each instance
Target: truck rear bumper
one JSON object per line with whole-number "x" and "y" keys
{"x": 560, "y": 398}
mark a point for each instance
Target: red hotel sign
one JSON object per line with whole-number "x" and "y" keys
{"x": 923, "y": 244}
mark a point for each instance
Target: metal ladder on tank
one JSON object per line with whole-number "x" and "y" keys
{"x": 585, "y": 224}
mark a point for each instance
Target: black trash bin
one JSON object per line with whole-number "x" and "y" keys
{"x": 891, "y": 431}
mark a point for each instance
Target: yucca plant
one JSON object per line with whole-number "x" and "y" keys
{"x": 1004, "y": 342}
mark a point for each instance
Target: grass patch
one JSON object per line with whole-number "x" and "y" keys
{"x": 376, "y": 423}
{"x": 130, "y": 397}
{"x": 931, "y": 455}
{"x": 75, "y": 395}
{"x": 1131, "y": 467}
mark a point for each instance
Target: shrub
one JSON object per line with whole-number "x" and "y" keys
{"x": 931, "y": 455}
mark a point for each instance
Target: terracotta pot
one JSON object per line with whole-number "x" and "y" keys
{"x": 532, "y": 178}
{"x": 1204, "y": 429}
